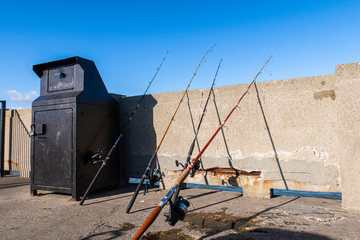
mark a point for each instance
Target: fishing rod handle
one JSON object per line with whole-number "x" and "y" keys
{"x": 182, "y": 177}
{"x": 100, "y": 169}
{"x": 131, "y": 203}
{"x": 91, "y": 184}
{"x": 153, "y": 215}
{"x": 150, "y": 219}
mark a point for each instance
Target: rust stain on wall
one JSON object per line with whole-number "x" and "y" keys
{"x": 324, "y": 94}
{"x": 229, "y": 172}
{"x": 300, "y": 186}
{"x": 251, "y": 181}
{"x": 14, "y": 166}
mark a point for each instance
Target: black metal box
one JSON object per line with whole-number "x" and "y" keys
{"x": 72, "y": 118}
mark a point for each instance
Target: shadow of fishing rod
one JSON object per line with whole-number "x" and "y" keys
{"x": 271, "y": 139}
{"x": 222, "y": 131}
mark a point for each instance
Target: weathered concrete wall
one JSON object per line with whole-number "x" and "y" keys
{"x": 348, "y": 115}
{"x": 296, "y": 134}
{"x": 287, "y": 130}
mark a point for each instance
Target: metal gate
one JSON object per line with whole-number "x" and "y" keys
{"x": 19, "y": 145}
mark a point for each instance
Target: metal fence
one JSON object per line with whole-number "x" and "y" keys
{"x": 19, "y": 145}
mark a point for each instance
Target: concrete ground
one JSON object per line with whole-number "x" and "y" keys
{"x": 212, "y": 215}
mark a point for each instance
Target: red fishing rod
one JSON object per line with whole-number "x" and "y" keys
{"x": 153, "y": 215}
{"x": 147, "y": 174}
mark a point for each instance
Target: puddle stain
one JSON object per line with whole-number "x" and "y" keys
{"x": 104, "y": 231}
{"x": 216, "y": 222}
{"x": 127, "y": 227}
{"x": 220, "y": 221}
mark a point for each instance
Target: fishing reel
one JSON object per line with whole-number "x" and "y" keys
{"x": 194, "y": 168}
{"x": 153, "y": 176}
{"x": 177, "y": 163}
{"x": 97, "y": 157}
{"x": 178, "y": 210}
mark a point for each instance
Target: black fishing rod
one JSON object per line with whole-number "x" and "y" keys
{"x": 174, "y": 203}
{"x": 183, "y": 203}
{"x": 97, "y": 157}
{"x": 157, "y": 175}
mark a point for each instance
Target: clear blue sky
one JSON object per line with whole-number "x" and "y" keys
{"x": 128, "y": 39}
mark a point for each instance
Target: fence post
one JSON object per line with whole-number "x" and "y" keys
{"x": 2, "y": 138}
{"x": 10, "y": 139}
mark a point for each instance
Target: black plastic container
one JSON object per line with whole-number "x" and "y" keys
{"x": 72, "y": 118}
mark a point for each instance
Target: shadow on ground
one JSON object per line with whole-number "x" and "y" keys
{"x": 104, "y": 235}
{"x": 255, "y": 234}
{"x": 12, "y": 181}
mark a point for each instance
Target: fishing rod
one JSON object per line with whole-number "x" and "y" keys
{"x": 157, "y": 175}
{"x": 183, "y": 203}
{"x": 200, "y": 121}
{"x": 174, "y": 203}
{"x": 97, "y": 157}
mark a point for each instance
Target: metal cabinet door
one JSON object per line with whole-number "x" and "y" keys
{"x": 53, "y": 147}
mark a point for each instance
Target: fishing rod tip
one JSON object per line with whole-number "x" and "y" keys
{"x": 211, "y": 48}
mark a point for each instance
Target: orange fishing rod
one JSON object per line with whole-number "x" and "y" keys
{"x": 148, "y": 168}
{"x": 153, "y": 215}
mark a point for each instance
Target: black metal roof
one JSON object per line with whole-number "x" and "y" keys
{"x": 38, "y": 69}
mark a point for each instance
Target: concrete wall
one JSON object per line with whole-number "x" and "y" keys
{"x": 348, "y": 115}
{"x": 296, "y": 134}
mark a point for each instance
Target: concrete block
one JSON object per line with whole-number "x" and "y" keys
{"x": 256, "y": 192}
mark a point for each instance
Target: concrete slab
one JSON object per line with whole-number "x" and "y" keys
{"x": 56, "y": 216}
